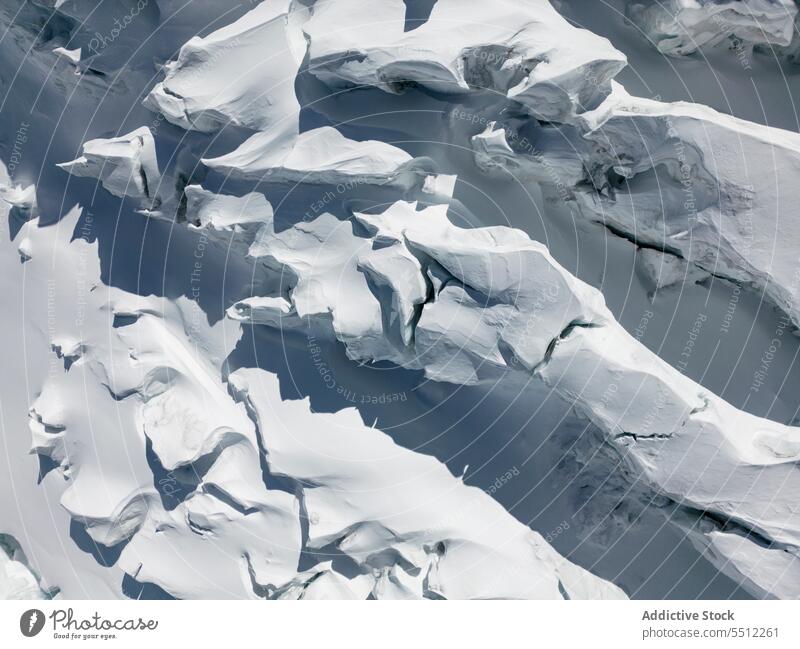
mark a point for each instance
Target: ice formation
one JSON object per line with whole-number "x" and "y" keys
{"x": 184, "y": 465}
{"x": 465, "y": 304}
{"x": 166, "y": 455}
{"x": 474, "y": 550}
{"x": 124, "y": 165}
{"x": 241, "y": 74}
{"x": 322, "y": 155}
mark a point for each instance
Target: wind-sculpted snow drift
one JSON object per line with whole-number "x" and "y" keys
{"x": 181, "y": 470}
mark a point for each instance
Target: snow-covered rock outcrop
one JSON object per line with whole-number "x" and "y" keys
{"x": 466, "y": 304}
{"x": 680, "y": 27}
{"x": 527, "y": 52}
{"x": 124, "y": 165}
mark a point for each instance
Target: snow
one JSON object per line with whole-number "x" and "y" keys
{"x": 322, "y": 156}
{"x": 524, "y": 52}
{"x": 16, "y": 579}
{"x": 664, "y": 270}
{"x": 213, "y": 391}
{"x": 73, "y": 56}
{"x": 678, "y": 177}
{"x": 508, "y": 305}
{"x": 680, "y": 27}
{"x": 240, "y": 74}
{"x": 124, "y": 165}
{"x": 722, "y": 185}
{"x": 474, "y": 550}
{"x": 163, "y": 395}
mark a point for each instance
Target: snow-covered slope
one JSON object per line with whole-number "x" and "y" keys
{"x": 437, "y": 537}
{"x": 713, "y": 190}
{"x": 469, "y": 304}
{"x": 180, "y": 459}
{"x": 322, "y": 155}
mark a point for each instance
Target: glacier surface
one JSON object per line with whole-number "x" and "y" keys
{"x": 395, "y": 300}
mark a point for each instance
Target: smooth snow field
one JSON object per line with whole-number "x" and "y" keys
{"x": 374, "y": 299}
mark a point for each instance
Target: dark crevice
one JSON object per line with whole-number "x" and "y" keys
{"x": 124, "y": 320}
{"x": 222, "y": 495}
{"x": 46, "y": 465}
{"x": 564, "y": 333}
{"x": 637, "y": 436}
{"x": 668, "y": 250}
{"x": 732, "y": 525}
{"x": 645, "y": 245}
{"x": 265, "y": 591}
{"x": 122, "y": 395}
{"x": 271, "y": 480}
{"x": 145, "y": 185}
